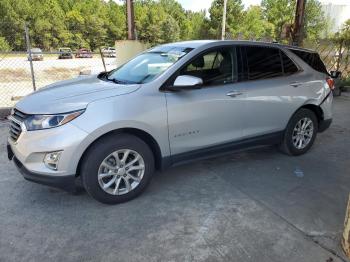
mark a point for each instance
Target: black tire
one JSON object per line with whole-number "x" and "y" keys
{"x": 337, "y": 91}
{"x": 99, "y": 151}
{"x": 287, "y": 146}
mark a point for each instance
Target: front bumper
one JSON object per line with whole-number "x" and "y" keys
{"x": 67, "y": 183}
{"x": 31, "y": 148}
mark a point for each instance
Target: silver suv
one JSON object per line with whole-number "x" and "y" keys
{"x": 173, "y": 103}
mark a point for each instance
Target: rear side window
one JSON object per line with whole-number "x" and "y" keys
{"x": 262, "y": 62}
{"x": 312, "y": 59}
{"x": 289, "y": 67}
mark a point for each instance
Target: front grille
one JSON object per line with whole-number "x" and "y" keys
{"x": 15, "y": 124}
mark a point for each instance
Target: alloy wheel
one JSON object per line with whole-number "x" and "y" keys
{"x": 302, "y": 133}
{"x": 121, "y": 172}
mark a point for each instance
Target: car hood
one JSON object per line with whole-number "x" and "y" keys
{"x": 71, "y": 95}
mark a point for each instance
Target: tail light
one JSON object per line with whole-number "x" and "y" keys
{"x": 330, "y": 83}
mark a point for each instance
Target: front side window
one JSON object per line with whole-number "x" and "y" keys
{"x": 147, "y": 66}
{"x": 215, "y": 67}
{"x": 263, "y": 62}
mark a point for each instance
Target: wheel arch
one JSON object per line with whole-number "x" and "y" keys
{"x": 316, "y": 109}
{"x": 143, "y": 135}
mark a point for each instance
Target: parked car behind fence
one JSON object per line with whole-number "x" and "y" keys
{"x": 83, "y": 53}
{"x": 37, "y": 54}
{"x": 65, "y": 53}
{"x": 109, "y": 52}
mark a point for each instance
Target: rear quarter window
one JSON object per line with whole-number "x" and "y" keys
{"x": 312, "y": 59}
{"x": 289, "y": 67}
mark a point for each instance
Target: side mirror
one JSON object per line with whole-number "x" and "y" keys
{"x": 335, "y": 74}
{"x": 187, "y": 82}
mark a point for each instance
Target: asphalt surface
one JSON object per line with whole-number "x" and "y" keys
{"x": 258, "y": 205}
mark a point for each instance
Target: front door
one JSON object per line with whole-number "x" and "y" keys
{"x": 209, "y": 116}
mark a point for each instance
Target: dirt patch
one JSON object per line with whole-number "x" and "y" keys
{"x": 14, "y": 75}
{"x": 60, "y": 73}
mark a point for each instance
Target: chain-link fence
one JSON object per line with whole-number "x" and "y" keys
{"x": 335, "y": 56}
{"x": 22, "y": 72}
{"x": 33, "y": 67}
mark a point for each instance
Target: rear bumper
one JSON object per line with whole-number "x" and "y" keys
{"x": 63, "y": 182}
{"x": 326, "y": 107}
{"x": 324, "y": 124}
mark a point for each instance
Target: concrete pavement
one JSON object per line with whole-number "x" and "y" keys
{"x": 258, "y": 205}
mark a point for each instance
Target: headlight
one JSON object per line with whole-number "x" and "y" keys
{"x": 37, "y": 122}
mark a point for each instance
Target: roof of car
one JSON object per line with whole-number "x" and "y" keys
{"x": 198, "y": 43}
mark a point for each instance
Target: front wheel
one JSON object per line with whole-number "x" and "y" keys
{"x": 117, "y": 168}
{"x": 300, "y": 133}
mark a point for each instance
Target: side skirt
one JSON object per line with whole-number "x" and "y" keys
{"x": 178, "y": 159}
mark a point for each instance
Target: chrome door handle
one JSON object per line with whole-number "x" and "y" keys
{"x": 295, "y": 84}
{"x": 234, "y": 93}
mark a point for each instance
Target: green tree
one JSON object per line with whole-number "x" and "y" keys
{"x": 149, "y": 17}
{"x": 47, "y": 27}
{"x": 315, "y": 20}
{"x": 13, "y": 15}
{"x": 116, "y": 22}
{"x": 175, "y": 10}
{"x": 281, "y": 13}
{"x": 234, "y": 17}
{"x": 255, "y": 27}
{"x": 170, "y": 30}
{"x": 4, "y": 45}
{"x": 197, "y": 25}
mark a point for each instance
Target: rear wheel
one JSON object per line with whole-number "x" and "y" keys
{"x": 117, "y": 168}
{"x": 300, "y": 133}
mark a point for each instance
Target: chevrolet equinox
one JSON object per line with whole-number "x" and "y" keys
{"x": 173, "y": 103}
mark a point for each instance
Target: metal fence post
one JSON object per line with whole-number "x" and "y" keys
{"x": 29, "y": 51}
{"x": 103, "y": 59}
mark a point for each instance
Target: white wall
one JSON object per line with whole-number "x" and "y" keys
{"x": 337, "y": 13}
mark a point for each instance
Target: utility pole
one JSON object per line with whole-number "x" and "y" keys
{"x": 130, "y": 19}
{"x": 298, "y": 31}
{"x": 223, "y": 27}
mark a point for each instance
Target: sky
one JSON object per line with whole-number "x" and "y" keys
{"x": 196, "y": 5}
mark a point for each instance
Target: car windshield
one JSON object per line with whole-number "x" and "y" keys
{"x": 147, "y": 66}
{"x": 36, "y": 50}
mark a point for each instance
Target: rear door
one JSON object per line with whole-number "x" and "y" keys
{"x": 211, "y": 115}
{"x": 271, "y": 87}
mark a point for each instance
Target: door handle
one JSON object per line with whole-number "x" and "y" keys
{"x": 234, "y": 93}
{"x": 295, "y": 84}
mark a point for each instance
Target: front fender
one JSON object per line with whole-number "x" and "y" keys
{"x": 107, "y": 115}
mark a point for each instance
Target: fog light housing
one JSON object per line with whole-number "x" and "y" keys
{"x": 51, "y": 159}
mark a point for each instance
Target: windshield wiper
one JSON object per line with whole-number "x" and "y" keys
{"x": 102, "y": 75}
{"x": 117, "y": 81}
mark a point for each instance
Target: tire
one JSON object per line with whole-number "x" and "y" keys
{"x": 289, "y": 144}
{"x": 96, "y": 175}
{"x": 337, "y": 91}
